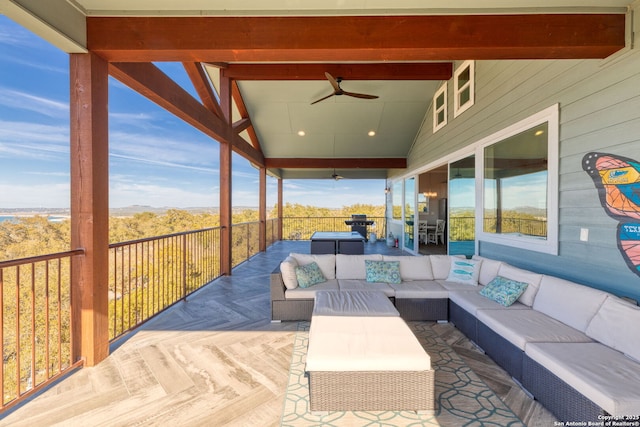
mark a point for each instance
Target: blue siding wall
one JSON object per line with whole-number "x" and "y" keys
{"x": 619, "y": 281}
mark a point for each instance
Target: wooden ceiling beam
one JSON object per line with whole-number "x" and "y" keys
{"x": 241, "y": 124}
{"x": 356, "y": 38}
{"x": 151, "y": 82}
{"x": 244, "y": 113}
{"x": 201, "y": 84}
{"x": 381, "y": 71}
{"x": 343, "y": 163}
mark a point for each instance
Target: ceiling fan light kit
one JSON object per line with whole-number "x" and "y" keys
{"x": 337, "y": 90}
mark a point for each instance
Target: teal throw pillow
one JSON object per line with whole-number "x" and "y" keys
{"x": 383, "y": 271}
{"x": 309, "y": 275}
{"x": 465, "y": 271}
{"x": 504, "y": 291}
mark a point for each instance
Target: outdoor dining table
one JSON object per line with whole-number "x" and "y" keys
{"x": 337, "y": 242}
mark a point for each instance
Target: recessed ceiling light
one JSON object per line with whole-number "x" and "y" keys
{"x": 372, "y": 133}
{"x": 301, "y": 133}
{"x": 539, "y": 132}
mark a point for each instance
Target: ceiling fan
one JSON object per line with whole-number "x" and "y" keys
{"x": 335, "y": 176}
{"x": 337, "y": 90}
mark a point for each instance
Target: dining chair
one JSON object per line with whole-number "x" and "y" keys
{"x": 438, "y": 234}
{"x": 422, "y": 231}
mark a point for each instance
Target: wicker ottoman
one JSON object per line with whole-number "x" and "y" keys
{"x": 366, "y": 363}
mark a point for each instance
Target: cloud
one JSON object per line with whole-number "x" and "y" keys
{"x": 13, "y": 35}
{"x": 50, "y": 195}
{"x": 33, "y": 140}
{"x": 182, "y": 151}
{"x": 140, "y": 120}
{"x": 16, "y": 99}
{"x": 127, "y": 193}
{"x": 38, "y": 65}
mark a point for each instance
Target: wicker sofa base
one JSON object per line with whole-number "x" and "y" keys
{"x": 423, "y": 309}
{"x": 292, "y": 309}
{"x": 505, "y": 354}
{"x": 558, "y": 397}
{"x": 372, "y": 391}
{"x": 464, "y": 321}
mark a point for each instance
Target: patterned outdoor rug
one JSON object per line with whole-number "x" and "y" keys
{"x": 462, "y": 398}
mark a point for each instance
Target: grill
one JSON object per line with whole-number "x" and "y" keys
{"x": 359, "y": 223}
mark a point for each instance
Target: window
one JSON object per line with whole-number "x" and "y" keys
{"x": 463, "y": 87}
{"x": 520, "y": 184}
{"x": 440, "y": 108}
{"x": 409, "y": 210}
{"x": 462, "y": 219}
{"x": 397, "y": 201}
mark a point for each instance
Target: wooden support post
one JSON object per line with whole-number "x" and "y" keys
{"x": 280, "y": 208}
{"x": 262, "y": 210}
{"x": 89, "y": 206}
{"x": 226, "y": 203}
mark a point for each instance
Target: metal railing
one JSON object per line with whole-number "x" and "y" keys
{"x": 246, "y": 239}
{"x": 522, "y": 226}
{"x": 35, "y": 324}
{"x": 148, "y": 275}
{"x": 301, "y": 228}
{"x": 463, "y": 228}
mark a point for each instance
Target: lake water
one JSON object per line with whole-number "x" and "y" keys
{"x": 16, "y": 218}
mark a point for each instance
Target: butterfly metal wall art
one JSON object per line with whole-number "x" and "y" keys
{"x": 617, "y": 179}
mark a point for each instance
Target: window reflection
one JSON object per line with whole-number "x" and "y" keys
{"x": 462, "y": 202}
{"x": 515, "y": 184}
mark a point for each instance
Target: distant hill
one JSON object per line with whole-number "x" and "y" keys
{"x": 123, "y": 211}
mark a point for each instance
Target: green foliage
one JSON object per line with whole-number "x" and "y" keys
{"x": 144, "y": 277}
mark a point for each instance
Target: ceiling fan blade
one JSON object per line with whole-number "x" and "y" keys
{"x": 322, "y": 99}
{"x": 334, "y": 82}
{"x": 360, "y": 95}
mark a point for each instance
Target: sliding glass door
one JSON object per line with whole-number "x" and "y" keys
{"x": 462, "y": 206}
{"x": 409, "y": 212}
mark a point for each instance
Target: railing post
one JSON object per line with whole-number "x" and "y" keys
{"x": 89, "y": 147}
{"x": 184, "y": 266}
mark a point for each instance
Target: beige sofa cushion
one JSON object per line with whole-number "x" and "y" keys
{"x": 310, "y": 292}
{"x": 327, "y": 263}
{"x": 440, "y": 265}
{"x": 600, "y": 373}
{"x": 520, "y": 327}
{"x": 288, "y": 272}
{"x": 520, "y": 275}
{"x": 352, "y": 266}
{"x": 473, "y": 301}
{"x": 488, "y": 269}
{"x": 570, "y": 303}
{"x": 616, "y": 325}
{"x": 419, "y": 289}
{"x": 363, "y": 285}
{"x": 413, "y": 267}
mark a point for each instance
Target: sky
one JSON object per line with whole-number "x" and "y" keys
{"x": 155, "y": 158}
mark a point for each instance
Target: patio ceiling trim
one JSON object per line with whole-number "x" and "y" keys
{"x": 381, "y": 71}
{"x": 350, "y": 163}
{"x": 356, "y": 38}
{"x": 151, "y": 82}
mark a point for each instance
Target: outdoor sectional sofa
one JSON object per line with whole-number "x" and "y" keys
{"x": 576, "y": 349}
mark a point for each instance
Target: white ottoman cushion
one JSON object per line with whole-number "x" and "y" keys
{"x": 361, "y": 343}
